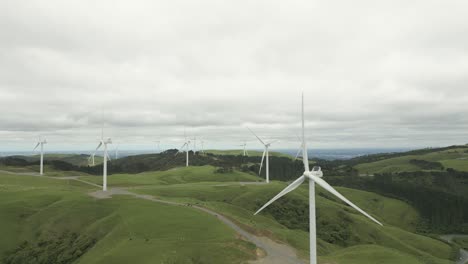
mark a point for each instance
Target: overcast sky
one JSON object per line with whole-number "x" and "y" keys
{"x": 374, "y": 73}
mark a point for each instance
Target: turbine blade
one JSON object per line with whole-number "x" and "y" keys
{"x": 298, "y": 152}
{"x": 261, "y": 164}
{"x": 38, "y": 143}
{"x": 327, "y": 187}
{"x": 305, "y": 157}
{"x": 286, "y": 190}
{"x": 180, "y": 149}
{"x": 274, "y": 141}
{"x": 256, "y": 136}
{"x": 100, "y": 144}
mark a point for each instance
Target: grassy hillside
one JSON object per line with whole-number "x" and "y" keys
{"x": 456, "y": 158}
{"x": 75, "y": 159}
{"x": 48, "y": 220}
{"x": 175, "y": 176}
{"x": 53, "y": 221}
{"x": 339, "y": 226}
{"x": 252, "y": 153}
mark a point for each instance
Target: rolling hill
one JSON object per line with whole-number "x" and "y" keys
{"x": 48, "y": 220}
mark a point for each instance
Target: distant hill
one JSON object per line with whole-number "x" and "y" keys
{"x": 251, "y": 153}
{"x": 454, "y": 157}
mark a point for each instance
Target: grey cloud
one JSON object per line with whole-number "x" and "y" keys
{"x": 373, "y": 73}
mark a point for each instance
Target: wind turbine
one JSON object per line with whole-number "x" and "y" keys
{"x": 202, "y": 142}
{"x": 314, "y": 176}
{"x": 265, "y": 152}
{"x": 194, "y": 144}
{"x": 245, "y": 150}
{"x": 300, "y": 148}
{"x": 41, "y": 143}
{"x": 91, "y": 159}
{"x": 116, "y": 150}
{"x": 104, "y": 143}
{"x": 186, "y": 145}
{"x": 158, "y": 144}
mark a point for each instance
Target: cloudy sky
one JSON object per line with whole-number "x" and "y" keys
{"x": 374, "y": 73}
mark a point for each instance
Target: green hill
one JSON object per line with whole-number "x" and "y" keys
{"x": 176, "y": 176}
{"x": 252, "y": 153}
{"x": 455, "y": 158}
{"x": 339, "y": 226}
{"x": 53, "y": 221}
{"x": 47, "y": 220}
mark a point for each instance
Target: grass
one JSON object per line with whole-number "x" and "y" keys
{"x": 48, "y": 171}
{"x": 454, "y": 158}
{"x": 461, "y": 242}
{"x": 252, "y": 153}
{"x": 240, "y": 202}
{"x": 175, "y": 176}
{"x": 124, "y": 229}
{"x": 369, "y": 254}
{"x": 75, "y": 159}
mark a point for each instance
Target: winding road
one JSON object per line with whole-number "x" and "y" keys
{"x": 276, "y": 253}
{"x": 463, "y": 257}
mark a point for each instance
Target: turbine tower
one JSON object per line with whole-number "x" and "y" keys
{"x": 41, "y": 143}
{"x": 300, "y": 148}
{"x": 202, "y": 143}
{"x": 245, "y": 153}
{"x": 104, "y": 143}
{"x": 158, "y": 144}
{"x": 186, "y": 145}
{"x": 116, "y": 150}
{"x": 265, "y": 152}
{"x": 91, "y": 159}
{"x": 194, "y": 144}
{"x": 313, "y": 176}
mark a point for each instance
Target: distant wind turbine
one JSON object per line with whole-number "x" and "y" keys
{"x": 91, "y": 159}
{"x": 202, "y": 143}
{"x": 265, "y": 152}
{"x": 314, "y": 176}
{"x": 104, "y": 143}
{"x": 186, "y": 145}
{"x": 245, "y": 150}
{"x": 158, "y": 144}
{"x": 194, "y": 144}
{"x": 41, "y": 143}
{"x": 116, "y": 154}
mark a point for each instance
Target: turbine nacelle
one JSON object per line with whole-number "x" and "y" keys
{"x": 107, "y": 141}
{"x": 315, "y": 172}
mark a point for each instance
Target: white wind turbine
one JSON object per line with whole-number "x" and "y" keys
{"x": 41, "y": 143}
{"x": 186, "y": 145}
{"x": 158, "y": 144}
{"x": 194, "y": 144}
{"x": 314, "y": 176}
{"x": 116, "y": 152}
{"x": 265, "y": 152}
{"x": 104, "y": 143}
{"x": 300, "y": 148}
{"x": 244, "y": 147}
{"x": 202, "y": 143}
{"x": 91, "y": 159}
